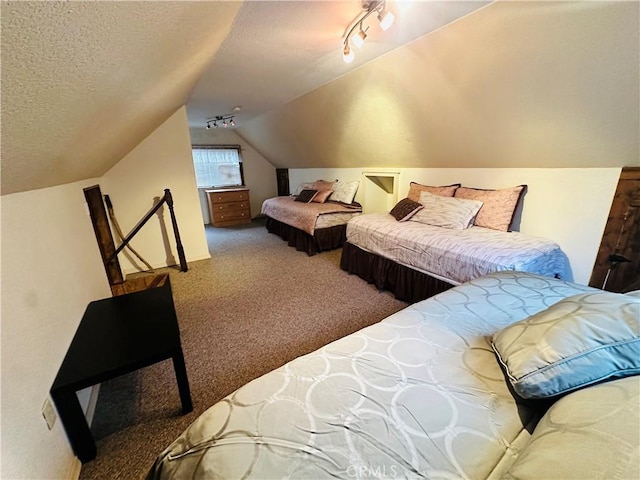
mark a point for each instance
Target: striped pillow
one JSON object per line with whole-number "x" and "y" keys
{"x": 447, "y": 212}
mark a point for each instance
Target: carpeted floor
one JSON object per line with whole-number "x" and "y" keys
{"x": 255, "y": 305}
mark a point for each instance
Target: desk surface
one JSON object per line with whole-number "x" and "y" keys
{"x": 118, "y": 335}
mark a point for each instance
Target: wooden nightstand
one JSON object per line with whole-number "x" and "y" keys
{"x": 229, "y": 206}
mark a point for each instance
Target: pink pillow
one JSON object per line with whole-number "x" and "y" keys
{"x": 498, "y": 206}
{"x": 444, "y": 191}
{"x": 321, "y": 185}
{"x": 322, "y": 196}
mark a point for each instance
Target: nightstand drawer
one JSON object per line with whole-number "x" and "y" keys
{"x": 231, "y": 215}
{"x": 227, "y": 207}
{"x": 226, "y": 197}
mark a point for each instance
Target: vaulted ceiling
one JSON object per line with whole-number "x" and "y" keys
{"x": 498, "y": 83}
{"x": 84, "y": 82}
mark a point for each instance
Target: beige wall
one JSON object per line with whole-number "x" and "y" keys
{"x": 516, "y": 84}
{"x": 51, "y": 270}
{"x": 567, "y": 205}
{"x": 259, "y": 174}
{"x": 162, "y": 160}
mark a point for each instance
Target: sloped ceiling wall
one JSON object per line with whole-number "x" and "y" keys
{"x": 516, "y": 84}
{"x": 83, "y": 83}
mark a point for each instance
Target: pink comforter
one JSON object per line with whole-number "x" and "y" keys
{"x": 302, "y": 216}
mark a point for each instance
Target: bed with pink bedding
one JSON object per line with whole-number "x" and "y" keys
{"x": 309, "y": 227}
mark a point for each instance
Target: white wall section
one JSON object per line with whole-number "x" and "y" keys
{"x": 162, "y": 160}
{"x": 51, "y": 270}
{"x": 567, "y": 205}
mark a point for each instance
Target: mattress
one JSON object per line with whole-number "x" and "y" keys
{"x": 333, "y": 219}
{"x": 417, "y": 395}
{"x": 456, "y": 256}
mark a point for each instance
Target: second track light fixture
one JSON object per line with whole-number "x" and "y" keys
{"x": 224, "y": 120}
{"x": 385, "y": 19}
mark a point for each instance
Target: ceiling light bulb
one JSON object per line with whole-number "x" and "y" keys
{"x": 347, "y": 54}
{"x": 386, "y": 19}
{"x": 208, "y": 125}
{"x": 224, "y": 124}
{"x": 358, "y": 39}
{"x": 233, "y": 124}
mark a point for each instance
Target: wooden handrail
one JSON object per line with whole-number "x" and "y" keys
{"x": 168, "y": 199}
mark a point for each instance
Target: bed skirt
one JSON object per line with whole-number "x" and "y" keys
{"x": 323, "y": 239}
{"x": 405, "y": 283}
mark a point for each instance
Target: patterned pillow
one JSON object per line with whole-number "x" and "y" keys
{"x": 405, "y": 209}
{"x": 322, "y": 196}
{"x": 587, "y": 434}
{"x": 344, "y": 192}
{"x": 306, "y": 195}
{"x": 498, "y": 206}
{"x": 317, "y": 185}
{"x": 321, "y": 185}
{"x": 581, "y": 340}
{"x": 302, "y": 186}
{"x": 447, "y": 212}
{"x": 444, "y": 191}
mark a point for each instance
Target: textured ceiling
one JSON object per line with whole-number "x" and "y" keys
{"x": 84, "y": 82}
{"x": 280, "y": 50}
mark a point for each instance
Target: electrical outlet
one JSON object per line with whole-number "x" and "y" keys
{"x": 49, "y": 413}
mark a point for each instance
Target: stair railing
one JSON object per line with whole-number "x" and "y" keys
{"x": 168, "y": 199}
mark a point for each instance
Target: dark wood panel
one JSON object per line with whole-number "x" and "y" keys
{"x": 282, "y": 177}
{"x": 617, "y": 266}
{"x": 102, "y": 229}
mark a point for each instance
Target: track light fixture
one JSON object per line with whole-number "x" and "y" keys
{"x": 385, "y": 19}
{"x": 225, "y": 121}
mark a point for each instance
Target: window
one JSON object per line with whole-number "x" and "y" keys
{"x": 219, "y": 166}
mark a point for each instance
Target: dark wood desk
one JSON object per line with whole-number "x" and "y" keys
{"x": 116, "y": 336}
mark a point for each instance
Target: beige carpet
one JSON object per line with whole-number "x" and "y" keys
{"x": 255, "y": 305}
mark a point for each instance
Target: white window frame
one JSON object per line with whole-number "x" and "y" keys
{"x": 209, "y": 177}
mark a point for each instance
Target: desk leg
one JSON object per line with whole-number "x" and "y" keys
{"x": 75, "y": 424}
{"x": 183, "y": 382}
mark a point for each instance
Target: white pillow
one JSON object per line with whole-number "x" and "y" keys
{"x": 344, "y": 192}
{"x": 447, "y": 212}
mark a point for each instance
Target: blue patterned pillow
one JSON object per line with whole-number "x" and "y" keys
{"x": 579, "y": 341}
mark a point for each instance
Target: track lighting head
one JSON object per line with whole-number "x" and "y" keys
{"x": 347, "y": 54}
{"x": 359, "y": 38}
{"x": 385, "y": 19}
{"x": 227, "y": 120}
